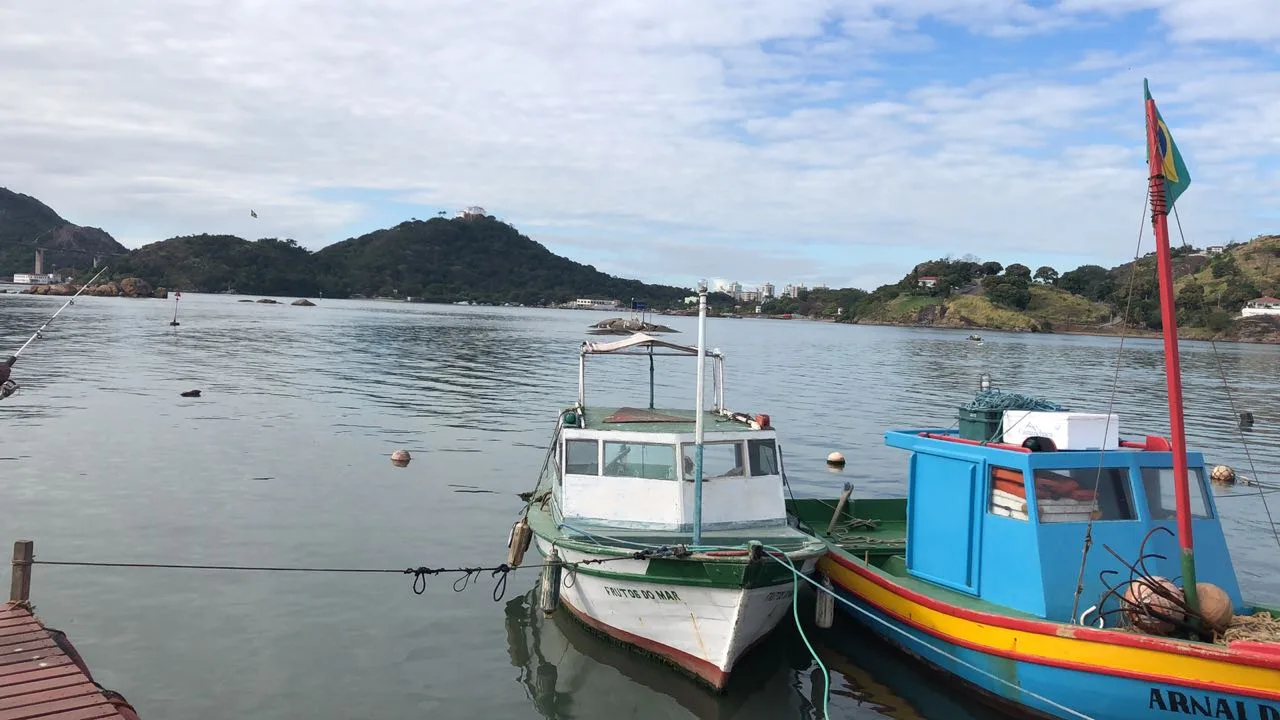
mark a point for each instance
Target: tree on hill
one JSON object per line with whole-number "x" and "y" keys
{"x": 1046, "y": 275}
{"x": 1011, "y": 291}
{"x": 1088, "y": 281}
{"x": 1018, "y": 270}
{"x": 992, "y": 268}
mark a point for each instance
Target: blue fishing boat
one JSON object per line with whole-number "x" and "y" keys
{"x": 1055, "y": 567}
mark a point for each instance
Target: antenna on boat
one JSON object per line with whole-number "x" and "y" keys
{"x": 1168, "y": 177}
{"x": 699, "y": 413}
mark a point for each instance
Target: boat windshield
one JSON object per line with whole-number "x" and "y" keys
{"x": 1161, "y": 498}
{"x": 654, "y": 461}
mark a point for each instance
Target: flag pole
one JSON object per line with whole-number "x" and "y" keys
{"x": 1156, "y": 155}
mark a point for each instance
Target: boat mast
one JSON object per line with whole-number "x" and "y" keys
{"x": 1161, "y": 154}
{"x": 697, "y": 423}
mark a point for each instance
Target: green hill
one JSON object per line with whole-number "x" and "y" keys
{"x": 26, "y": 223}
{"x": 1211, "y": 289}
{"x": 436, "y": 260}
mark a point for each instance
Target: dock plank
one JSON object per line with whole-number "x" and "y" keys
{"x": 38, "y": 680}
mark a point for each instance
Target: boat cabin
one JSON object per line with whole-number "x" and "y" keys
{"x": 1006, "y": 523}
{"x": 633, "y": 467}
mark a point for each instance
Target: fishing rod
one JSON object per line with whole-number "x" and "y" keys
{"x": 7, "y": 386}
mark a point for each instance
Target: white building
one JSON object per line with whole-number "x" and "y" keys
{"x": 474, "y": 211}
{"x": 793, "y": 291}
{"x": 36, "y": 279}
{"x": 1262, "y": 306}
{"x": 593, "y": 304}
{"x": 766, "y": 291}
{"x": 927, "y": 281}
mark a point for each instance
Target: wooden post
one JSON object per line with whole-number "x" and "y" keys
{"x": 20, "y": 589}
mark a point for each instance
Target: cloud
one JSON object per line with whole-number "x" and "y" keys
{"x": 653, "y": 138}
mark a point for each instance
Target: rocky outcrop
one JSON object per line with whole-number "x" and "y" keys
{"x": 136, "y": 287}
{"x": 161, "y": 293}
{"x": 268, "y": 301}
{"x": 303, "y": 303}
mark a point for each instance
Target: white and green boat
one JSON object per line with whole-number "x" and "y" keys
{"x": 676, "y": 513}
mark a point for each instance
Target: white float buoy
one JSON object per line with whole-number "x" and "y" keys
{"x": 1223, "y": 475}
{"x": 400, "y": 458}
{"x": 835, "y": 459}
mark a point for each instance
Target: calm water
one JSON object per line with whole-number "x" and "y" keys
{"x": 283, "y": 461}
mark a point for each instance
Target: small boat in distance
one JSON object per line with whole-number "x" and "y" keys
{"x": 670, "y": 540}
{"x": 1034, "y": 557}
{"x": 975, "y": 338}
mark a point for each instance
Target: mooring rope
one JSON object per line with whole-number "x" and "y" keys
{"x": 785, "y": 561}
{"x": 467, "y": 575}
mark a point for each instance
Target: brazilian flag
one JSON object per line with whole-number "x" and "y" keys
{"x": 1169, "y": 161}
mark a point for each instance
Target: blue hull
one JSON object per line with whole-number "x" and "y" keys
{"x": 1062, "y": 692}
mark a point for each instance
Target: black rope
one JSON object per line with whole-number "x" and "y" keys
{"x": 468, "y": 575}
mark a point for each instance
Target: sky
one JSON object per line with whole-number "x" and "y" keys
{"x": 784, "y": 141}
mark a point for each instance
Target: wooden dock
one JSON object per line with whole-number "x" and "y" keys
{"x": 42, "y": 677}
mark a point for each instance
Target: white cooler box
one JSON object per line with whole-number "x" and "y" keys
{"x": 1067, "y": 430}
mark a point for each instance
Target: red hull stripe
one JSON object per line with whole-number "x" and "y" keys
{"x": 1242, "y": 656}
{"x": 1033, "y": 626}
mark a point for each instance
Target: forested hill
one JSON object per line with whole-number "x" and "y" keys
{"x": 1211, "y": 284}
{"x": 438, "y": 260}
{"x": 26, "y": 223}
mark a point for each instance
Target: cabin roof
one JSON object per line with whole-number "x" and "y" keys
{"x": 640, "y": 343}
{"x": 912, "y": 439}
{"x": 660, "y": 420}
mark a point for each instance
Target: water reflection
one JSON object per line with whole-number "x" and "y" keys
{"x": 570, "y": 672}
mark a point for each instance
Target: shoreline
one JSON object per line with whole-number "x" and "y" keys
{"x": 1184, "y": 334}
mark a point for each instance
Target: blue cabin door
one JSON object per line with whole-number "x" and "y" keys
{"x": 942, "y": 520}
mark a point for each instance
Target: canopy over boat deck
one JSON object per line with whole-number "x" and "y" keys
{"x": 650, "y": 346}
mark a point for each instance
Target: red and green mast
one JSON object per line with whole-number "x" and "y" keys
{"x": 1168, "y": 178}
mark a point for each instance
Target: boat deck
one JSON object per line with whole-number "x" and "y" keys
{"x": 660, "y": 420}
{"x": 38, "y": 680}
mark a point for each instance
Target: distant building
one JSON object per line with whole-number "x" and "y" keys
{"x": 593, "y": 304}
{"x": 474, "y": 211}
{"x": 766, "y": 291}
{"x": 691, "y": 300}
{"x": 927, "y": 281}
{"x": 1215, "y": 249}
{"x": 820, "y": 286}
{"x": 36, "y": 278}
{"x": 748, "y": 296}
{"x": 1262, "y": 306}
{"x": 793, "y": 291}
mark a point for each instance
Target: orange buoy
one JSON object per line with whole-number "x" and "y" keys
{"x": 1215, "y": 606}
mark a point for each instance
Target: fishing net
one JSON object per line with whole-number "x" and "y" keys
{"x": 1259, "y": 627}
{"x": 1000, "y": 400}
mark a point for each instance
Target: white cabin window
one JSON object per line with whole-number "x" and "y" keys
{"x": 764, "y": 457}
{"x": 719, "y": 459}
{"x": 1161, "y": 495}
{"x": 582, "y": 457}
{"x": 643, "y": 460}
